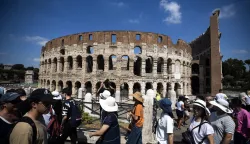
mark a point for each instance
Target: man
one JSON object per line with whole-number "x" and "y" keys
{"x": 224, "y": 125}
{"x": 8, "y": 109}
{"x": 221, "y": 95}
{"x": 211, "y": 108}
{"x": 246, "y": 98}
{"x": 29, "y": 130}
{"x": 67, "y": 128}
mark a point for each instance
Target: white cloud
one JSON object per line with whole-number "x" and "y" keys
{"x": 240, "y": 51}
{"x": 119, "y": 4}
{"x": 227, "y": 11}
{"x": 36, "y": 59}
{"x": 173, "y": 8}
{"x": 134, "y": 21}
{"x": 36, "y": 39}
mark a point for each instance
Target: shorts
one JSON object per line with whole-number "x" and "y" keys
{"x": 186, "y": 113}
{"x": 179, "y": 113}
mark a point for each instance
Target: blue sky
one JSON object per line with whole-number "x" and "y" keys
{"x": 25, "y": 25}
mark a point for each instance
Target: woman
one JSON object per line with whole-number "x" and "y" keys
{"x": 180, "y": 111}
{"x": 110, "y": 130}
{"x": 202, "y": 131}
{"x": 135, "y": 137}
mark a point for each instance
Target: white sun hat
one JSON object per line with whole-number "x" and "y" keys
{"x": 56, "y": 95}
{"x": 202, "y": 104}
{"x": 109, "y": 105}
{"x": 222, "y": 104}
{"x": 105, "y": 94}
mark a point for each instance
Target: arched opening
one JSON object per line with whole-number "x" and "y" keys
{"x": 90, "y": 50}
{"x": 112, "y": 62}
{"x": 70, "y": 62}
{"x": 55, "y": 64}
{"x": 160, "y": 63}
{"x": 62, "y": 64}
{"x": 113, "y": 85}
{"x": 149, "y": 65}
{"x": 100, "y": 62}
{"x": 177, "y": 67}
{"x": 69, "y": 85}
{"x": 79, "y": 61}
{"x": 49, "y": 65}
{"x": 195, "y": 83}
{"x": 195, "y": 68}
{"x": 45, "y": 83}
{"x": 48, "y": 85}
{"x": 62, "y": 51}
{"x": 136, "y": 87}
{"x": 124, "y": 91}
{"x": 137, "y": 50}
{"x": 60, "y": 86}
{"x": 148, "y": 86}
{"x": 177, "y": 88}
{"x": 125, "y": 63}
{"x": 137, "y": 65}
{"x": 169, "y": 66}
{"x": 159, "y": 89}
{"x": 77, "y": 86}
{"x": 89, "y": 64}
{"x": 53, "y": 86}
{"x": 97, "y": 86}
{"x": 88, "y": 87}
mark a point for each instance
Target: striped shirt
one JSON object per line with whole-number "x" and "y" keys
{"x": 224, "y": 124}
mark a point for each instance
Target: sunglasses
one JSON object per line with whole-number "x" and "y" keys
{"x": 45, "y": 104}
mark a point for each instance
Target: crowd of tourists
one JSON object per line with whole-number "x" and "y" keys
{"x": 51, "y": 117}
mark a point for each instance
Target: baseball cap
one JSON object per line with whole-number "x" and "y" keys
{"x": 42, "y": 95}
{"x": 8, "y": 97}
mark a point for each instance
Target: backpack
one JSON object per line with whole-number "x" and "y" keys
{"x": 32, "y": 124}
{"x": 76, "y": 115}
{"x": 53, "y": 127}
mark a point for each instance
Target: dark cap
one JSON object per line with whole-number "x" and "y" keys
{"x": 8, "y": 97}
{"x": 41, "y": 94}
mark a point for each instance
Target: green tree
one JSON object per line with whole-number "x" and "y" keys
{"x": 30, "y": 68}
{"x": 228, "y": 80}
{"x": 1, "y": 66}
{"x": 248, "y": 63}
{"x": 18, "y": 67}
{"x": 233, "y": 67}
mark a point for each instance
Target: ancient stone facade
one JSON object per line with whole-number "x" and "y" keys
{"x": 132, "y": 60}
{"x": 29, "y": 77}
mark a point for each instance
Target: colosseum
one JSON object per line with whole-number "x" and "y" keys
{"x": 132, "y": 61}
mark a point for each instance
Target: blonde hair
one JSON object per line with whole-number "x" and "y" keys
{"x": 248, "y": 92}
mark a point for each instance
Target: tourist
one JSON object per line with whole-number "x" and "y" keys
{"x": 22, "y": 93}
{"x": 110, "y": 130}
{"x": 23, "y": 107}
{"x": 224, "y": 125}
{"x": 135, "y": 137}
{"x": 57, "y": 106}
{"x": 154, "y": 118}
{"x": 106, "y": 85}
{"x": 186, "y": 110}
{"x": 165, "y": 127}
{"x": 8, "y": 108}
{"x": 242, "y": 118}
{"x": 213, "y": 115}
{"x": 202, "y": 131}
{"x": 103, "y": 96}
{"x": 180, "y": 112}
{"x": 29, "y": 130}
{"x": 246, "y": 99}
{"x": 221, "y": 95}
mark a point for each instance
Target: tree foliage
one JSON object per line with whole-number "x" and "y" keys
{"x": 248, "y": 63}
{"x": 234, "y": 67}
{"x": 18, "y": 67}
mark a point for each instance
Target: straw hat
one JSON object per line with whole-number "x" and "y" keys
{"x": 109, "y": 104}
{"x": 138, "y": 96}
{"x": 222, "y": 104}
{"x": 201, "y": 104}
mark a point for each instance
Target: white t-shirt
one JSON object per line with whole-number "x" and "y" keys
{"x": 206, "y": 129}
{"x": 46, "y": 117}
{"x": 165, "y": 126}
{"x": 179, "y": 104}
{"x": 221, "y": 96}
{"x": 247, "y": 99}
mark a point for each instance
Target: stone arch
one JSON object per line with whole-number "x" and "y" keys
{"x": 49, "y": 65}
{"x": 89, "y": 64}
{"x": 88, "y": 87}
{"x": 53, "y": 85}
{"x": 62, "y": 64}
{"x": 148, "y": 86}
{"x": 97, "y": 86}
{"x": 60, "y": 85}
{"x": 136, "y": 87}
{"x": 159, "y": 89}
{"x": 79, "y": 61}
{"x": 55, "y": 64}
{"x": 169, "y": 66}
{"x": 149, "y": 64}
{"x": 100, "y": 62}
{"x": 195, "y": 83}
{"x": 160, "y": 65}
{"x": 90, "y": 50}
{"x": 77, "y": 86}
{"x": 112, "y": 62}
{"x": 45, "y": 83}
{"x": 70, "y": 62}
{"x": 137, "y": 65}
{"x": 125, "y": 62}
{"x": 177, "y": 67}
{"x": 62, "y": 51}
{"x": 195, "y": 68}
{"x": 48, "y": 84}
{"x": 177, "y": 88}
{"x": 69, "y": 85}
{"x": 137, "y": 50}
{"x": 45, "y": 66}
{"x": 124, "y": 93}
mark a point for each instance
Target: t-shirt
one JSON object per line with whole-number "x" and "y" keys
{"x": 221, "y": 96}
{"x": 224, "y": 124}
{"x": 247, "y": 99}
{"x": 139, "y": 112}
{"x": 243, "y": 122}
{"x": 179, "y": 104}
{"x": 47, "y": 116}
{"x": 164, "y": 127}
{"x": 66, "y": 111}
{"x": 5, "y": 129}
{"x": 22, "y": 133}
{"x": 205, "y": 130}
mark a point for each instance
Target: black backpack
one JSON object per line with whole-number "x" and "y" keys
{"x": 32, "y": 124}
{"x": 76, "y": 115}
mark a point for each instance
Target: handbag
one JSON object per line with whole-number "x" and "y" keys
{"x": 188, "y": 136}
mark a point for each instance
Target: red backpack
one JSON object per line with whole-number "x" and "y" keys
{"x": 53, "y": 127}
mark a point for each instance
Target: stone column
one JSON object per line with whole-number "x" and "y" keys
{"x": 118, "y": 65}
{"x": 94, "y": 64}
{"x": 155, "y": 67}
{"x": 172, "y": 67}
{"x": 118, "y": 93}
{"x": 93, "y": 89}
{"x": 155, "y": 86}
{"x": 106, "y": 64}
{"x": 164, "y": 92}
{"x": 130, "y": 89}
{"x": 131, "y": 65}
{"x": 66, "y": 64}
{"x": 80, "y": 93}
{"x": 165, "y": 69}
{"x": 172, "y": 95}
{"x": 143, "y": 67}
{"x": 74, "y": 64}
{"x": 84, "y": 65}
{"x": 88, "y": 98}
{"x": 143, "y": 88}
{"x": 201, "y": 79}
